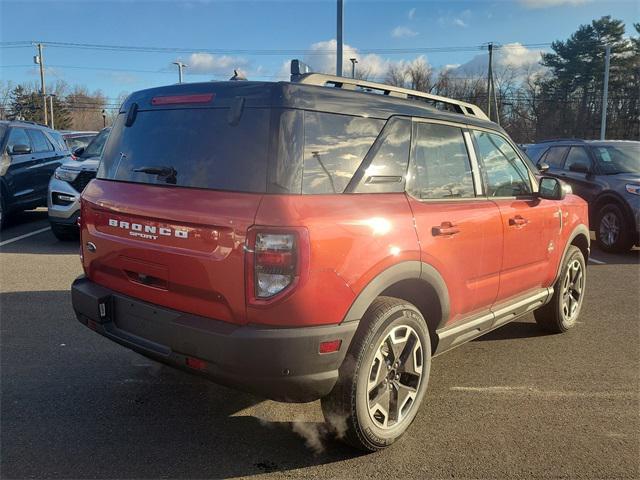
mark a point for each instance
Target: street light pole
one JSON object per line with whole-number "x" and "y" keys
{"x": 605, "y": 92}
{"x": 339, "y": 38}
{"x": 353, "y": 67}
{"x": 180, "y": 67}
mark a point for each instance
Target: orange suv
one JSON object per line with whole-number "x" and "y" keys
{"x": 322, "y": 238}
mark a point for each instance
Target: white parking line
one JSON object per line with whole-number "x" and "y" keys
{"x": 596, "y": 261}
{"x": 26, "y": 235}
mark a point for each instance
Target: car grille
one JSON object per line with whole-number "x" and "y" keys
{"x": 82, "y": 180}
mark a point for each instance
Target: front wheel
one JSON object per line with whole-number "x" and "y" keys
{"x": 384, "y": 376}
{"x": 561, "y": 313}
{"x": 612, "y": 231}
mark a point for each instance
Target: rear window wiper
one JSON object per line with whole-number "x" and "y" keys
{"x": 169, "y": 173}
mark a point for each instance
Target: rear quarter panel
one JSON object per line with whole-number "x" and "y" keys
{"x": 352, "y": 239}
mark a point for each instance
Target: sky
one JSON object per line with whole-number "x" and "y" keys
{"x": 260, "y": 37}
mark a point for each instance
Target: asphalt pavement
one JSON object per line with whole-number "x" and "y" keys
{"x": 516, "y": 403}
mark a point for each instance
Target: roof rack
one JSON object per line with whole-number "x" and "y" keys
{"x": 300, "y": 73}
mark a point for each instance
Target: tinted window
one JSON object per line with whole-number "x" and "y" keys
{"x": 334, "y": 148}
{"x": 554, "y": 156}
{"x": 95, "y": 147}
{"x": 440, "y": 166}
{"x": 286, "y": 174}
{"x": 40, "y": 142}
{"x": 18, "y": 136}
{"x": 200, "y": 145}
{"x": 505, "y": 173}
{"x": 577, "y": 155}
{"x": 385, "y": 168}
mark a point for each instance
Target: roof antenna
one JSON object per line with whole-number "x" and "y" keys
{"x": 238, "y": 76}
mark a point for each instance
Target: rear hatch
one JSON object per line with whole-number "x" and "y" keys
{"x": 180, "y": 182}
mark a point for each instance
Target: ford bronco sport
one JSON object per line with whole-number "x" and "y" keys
{"x": 320, "y": 239}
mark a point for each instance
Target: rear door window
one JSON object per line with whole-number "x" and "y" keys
{"x": 196, "y": 147}
{"x": 335, "y": 145}
{"x": 440, "y": 167}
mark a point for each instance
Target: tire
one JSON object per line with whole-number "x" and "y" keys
{"x": 63, "y": 233}
{"x": 387, "y": 322}
{"x": 613, "y": 232}
{"x": 561, "y": 313}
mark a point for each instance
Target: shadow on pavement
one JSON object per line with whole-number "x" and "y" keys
{"x": 75, "y": 405}
{"x": 512, "y": 331}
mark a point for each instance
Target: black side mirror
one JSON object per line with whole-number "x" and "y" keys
{"x": 20, "y": 149}
{"x": 579, "y": 167}
{"x": 543, "y": 167}
{"x": 78, "y": 152}
{"x": 551, "y": 189}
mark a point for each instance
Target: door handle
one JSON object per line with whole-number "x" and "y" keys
{"x": 445, "y": 229}
{"x": 518, "y": 221}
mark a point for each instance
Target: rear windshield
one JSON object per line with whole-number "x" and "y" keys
{"x": 199, "y": 147}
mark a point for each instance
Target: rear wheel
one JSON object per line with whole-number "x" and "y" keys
{"x": 384, "y": 376}
{"x": 612, "y": 230}
{"x": 561, "y": 313}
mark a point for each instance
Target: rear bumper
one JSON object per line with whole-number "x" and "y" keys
{"x": 282, "y": 364}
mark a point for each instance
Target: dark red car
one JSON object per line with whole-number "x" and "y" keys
{"x": 305, "y": 242}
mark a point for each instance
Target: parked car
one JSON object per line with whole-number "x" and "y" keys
{"x": 77, "y": 139}
{"x": 607, "y": 175}
{"x": 30, "y": 154}
{"x": 67, "y": 183}
{"x": 306, "y": 242}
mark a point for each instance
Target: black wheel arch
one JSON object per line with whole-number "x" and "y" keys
{"x": 415, "y": 282}
{"x": 581, "y": 238}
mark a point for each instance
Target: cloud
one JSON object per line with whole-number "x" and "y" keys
{"x": 411, "y": 14}
{"x": 550, "y": 3}
{"x": 513, "y": 56}
{"x": 221, "y": 65}
{"x": 458, "y": 22}
{"x": 403, "y": 32}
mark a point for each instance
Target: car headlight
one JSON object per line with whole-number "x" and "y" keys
{"x": 633, "y": 188}
{"x": 65, "y": 174}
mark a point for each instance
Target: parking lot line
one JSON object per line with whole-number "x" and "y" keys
{"x": 26, "y": 235}
{"x": 596, "y": 261}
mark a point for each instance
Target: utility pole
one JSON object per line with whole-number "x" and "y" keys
{"x": 51, "y": 95}
{"x": 180, "y": 67}
{"x": 605, "y": 92}
{"x": 339, "y": 38}
{"x": 353, "y": 67}
{"x": 489, "y": 79}
{"x": 39, "y": 59}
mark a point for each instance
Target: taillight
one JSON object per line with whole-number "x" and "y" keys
{"x": 274, "y": 260}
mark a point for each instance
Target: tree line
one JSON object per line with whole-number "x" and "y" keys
{"x": 559, "y": 97}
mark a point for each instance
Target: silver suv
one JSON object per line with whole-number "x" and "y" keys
{"x": 67, "y": 184}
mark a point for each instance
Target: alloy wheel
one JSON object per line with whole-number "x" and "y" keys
{"x": 609, "y": 229}
{"x": 394, "y": 377}
{"x": 572, "y": 288}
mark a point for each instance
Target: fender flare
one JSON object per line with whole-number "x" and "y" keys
{"x": 409, "y": 270}
{"x": 578, "y": 230}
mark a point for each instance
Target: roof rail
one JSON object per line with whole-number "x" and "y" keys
{"x": 320, "y": 79}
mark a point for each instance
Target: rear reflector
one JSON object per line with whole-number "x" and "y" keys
{"x": 196, "y": 363}
{"x": 330, "y": 346}
{"x": 181, "y": 99}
